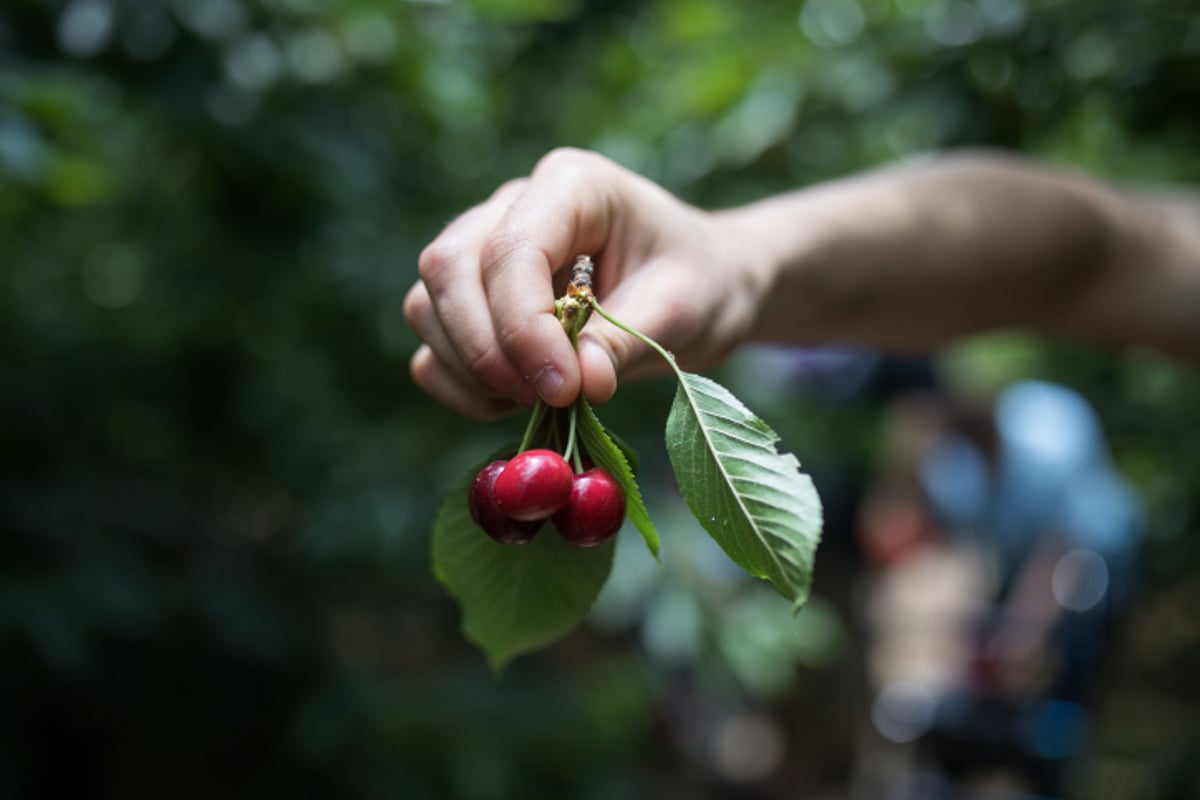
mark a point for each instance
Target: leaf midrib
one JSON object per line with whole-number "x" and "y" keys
{"x": 729, "y": 482}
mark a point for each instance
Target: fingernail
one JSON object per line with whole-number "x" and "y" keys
{"x": 523, "y": 393}
{"x": 548, "y": 381}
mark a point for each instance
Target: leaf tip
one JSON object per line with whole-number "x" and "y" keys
{"x": 498, "y": 662}
{"x": 653, "y": 543}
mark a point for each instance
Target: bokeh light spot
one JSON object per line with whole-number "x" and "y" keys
{"x": 831, "y": 23}
{"x": 85, "y": 27}
{"x": 953, "y": 23}
{"x": 315, "y": 57}
{"x": 748, "y": 748}
{"x": 254, "y": 64}
{"x": 370, "y": 36}
{"x": 1080, "y": 580}
{"x": 212, "y": 19}
{"x": 903, "y": 711}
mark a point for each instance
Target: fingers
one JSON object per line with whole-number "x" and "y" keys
{"x": 485, "y": 304}
{"x": 567, "y": 209}
{"x": 448, "y": 310}
{"x": 433, "y": 375}
{"x": 437, "y": 369}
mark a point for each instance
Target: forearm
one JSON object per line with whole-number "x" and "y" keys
{"x": 916, "y": 255}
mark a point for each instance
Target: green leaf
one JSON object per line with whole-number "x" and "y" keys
{"x": 626, "y": 449}
{"x": 513, "y": 598}
{"x": 751, "y": 499}
{"x": 612, "y": 456}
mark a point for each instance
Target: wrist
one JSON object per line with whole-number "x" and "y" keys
{"x": 835, "y": 256}
{"x": 754, "y": 256}
{"x": 791, "y": 247}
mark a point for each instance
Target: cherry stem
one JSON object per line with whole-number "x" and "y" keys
{"x": 572, "y": 451}
{"x": 573, "y": 323}
{"x": 535, "y": 420}
{"x": 658, "y": 348}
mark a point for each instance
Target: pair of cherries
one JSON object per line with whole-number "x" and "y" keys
{"x": 511, "y": 500}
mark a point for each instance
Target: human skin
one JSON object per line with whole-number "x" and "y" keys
{"x": 904, "y": 257}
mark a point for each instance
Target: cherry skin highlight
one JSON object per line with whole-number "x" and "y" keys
{"x": 595, "y": 510}
{"x": 534, "y": 485}
{"x": 481, "y": 502}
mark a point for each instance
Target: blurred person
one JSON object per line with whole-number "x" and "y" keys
{"x": 906, "y": 256}
{"x": 1004, "y": 542}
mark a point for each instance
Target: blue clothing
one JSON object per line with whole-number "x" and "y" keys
{"x": 1051, "y": 476}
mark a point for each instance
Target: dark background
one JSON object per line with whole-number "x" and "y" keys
{"x": 217, "y": 480}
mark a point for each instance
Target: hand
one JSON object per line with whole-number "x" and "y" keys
{"x": 484, "y": 306}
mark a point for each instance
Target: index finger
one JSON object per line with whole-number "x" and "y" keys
{"x": 568, "y": 208}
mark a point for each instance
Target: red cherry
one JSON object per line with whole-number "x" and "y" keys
{"x": 595, "y": 510}
{"x": 534, "y": 485}
{"x": 481, "y": 502}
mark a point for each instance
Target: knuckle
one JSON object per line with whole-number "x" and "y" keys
{"x": 510, "y": 189}
{"x": 679, "y": 307}
{"x": 435, "y": 261}
{"x": 517, "y": 337}
{"x": 499, "y": 248}
{"x": 484, "y": 364}
{"x": 568, "y": 162}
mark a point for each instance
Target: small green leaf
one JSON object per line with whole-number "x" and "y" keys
{"x": 751, "y": 499}
{"x": 513, "y": 599}
{"x": 610, "y": 455}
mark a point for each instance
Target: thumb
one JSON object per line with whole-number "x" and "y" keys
{"x": 608, "y": 354}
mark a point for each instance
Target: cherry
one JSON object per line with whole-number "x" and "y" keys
{"x": 534, "y": 485}
{"x": 486, "y": 511}
{"x": 595, "y": 510}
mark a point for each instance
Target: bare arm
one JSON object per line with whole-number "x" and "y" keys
{"x": 918, "y": 255}
{"x": 908, "y": 256}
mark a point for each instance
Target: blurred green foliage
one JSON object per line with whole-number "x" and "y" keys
{"x": 217, "y": 482}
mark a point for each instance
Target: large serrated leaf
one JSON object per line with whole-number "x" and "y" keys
{"x": 605, "y": 450}
{"x": 752, "y": 499}
{"x": 513, "y": 599}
